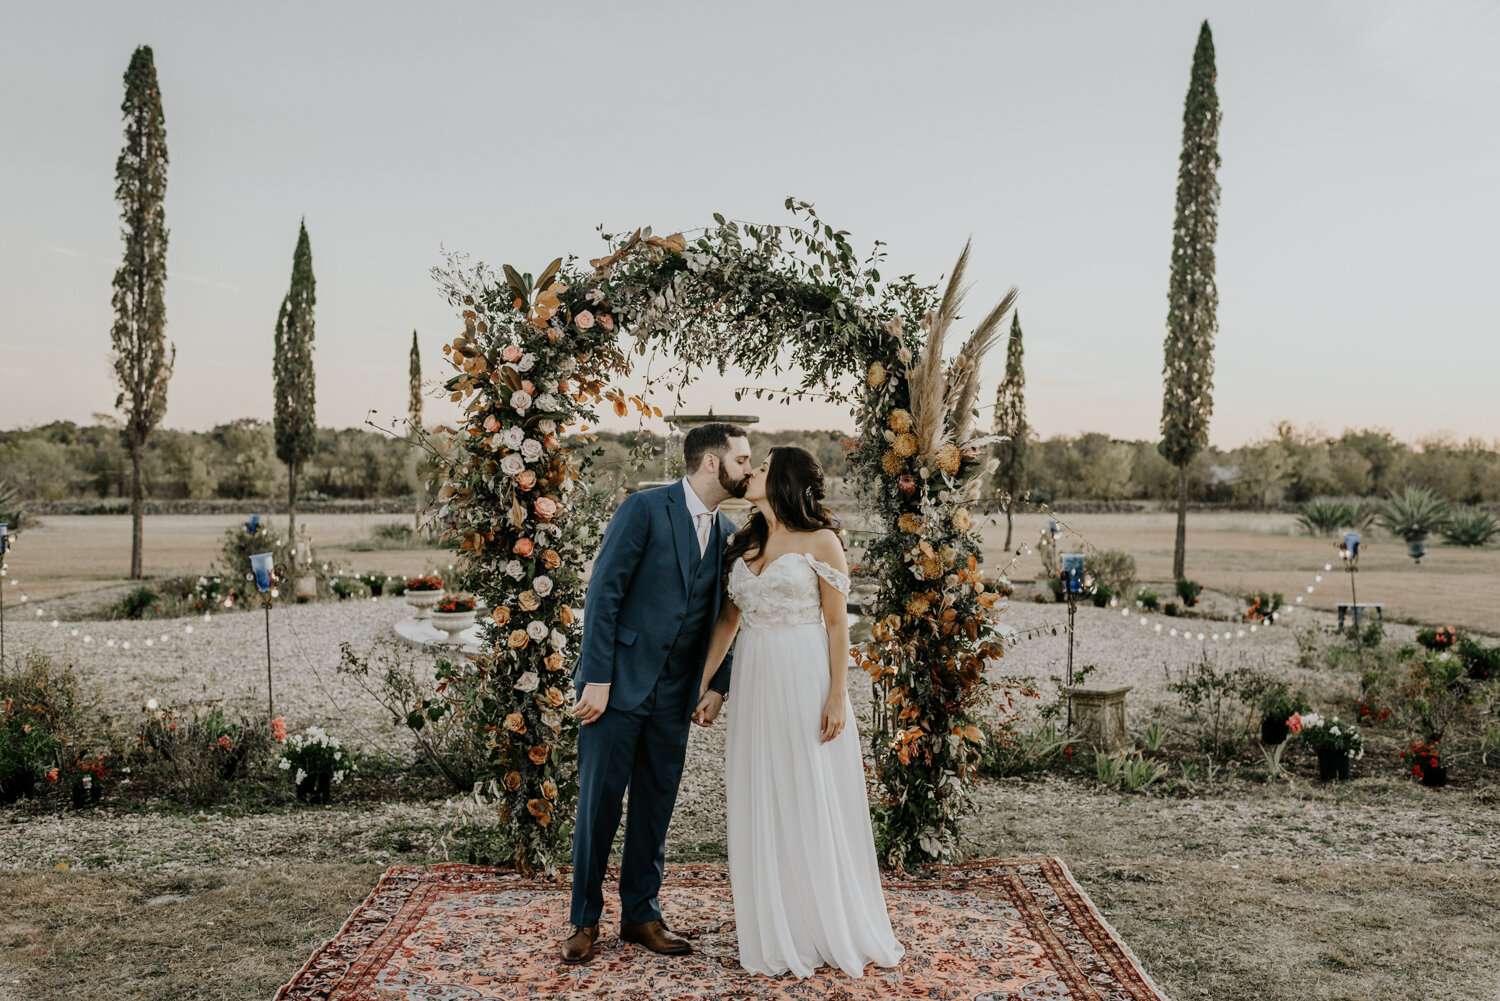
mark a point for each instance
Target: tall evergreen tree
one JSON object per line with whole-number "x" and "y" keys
{"x": 1193, "y": 299}
{"x": 1010, "y": 420}
{"x": 143, "y": 358}
{"x": 292, "y": 365}
{"x": 416, "y": 386}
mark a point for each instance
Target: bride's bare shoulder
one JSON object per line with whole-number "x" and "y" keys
{"x": 826, "y": 547}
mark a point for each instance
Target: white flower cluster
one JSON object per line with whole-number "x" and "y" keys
{"x": 312, "y": 746}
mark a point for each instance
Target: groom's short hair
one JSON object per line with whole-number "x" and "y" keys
{"x": 707, "y": 438}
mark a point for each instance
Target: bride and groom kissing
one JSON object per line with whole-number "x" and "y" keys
{"x": 678, "y": 596}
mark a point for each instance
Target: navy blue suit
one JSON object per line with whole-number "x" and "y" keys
{"x": 648, "y": 617}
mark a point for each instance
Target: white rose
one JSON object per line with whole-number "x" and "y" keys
{"x": 512, "y": 465}
{"x": 559, "y": 640}
{"x": 514, "y": 570}
{"x": 531, "y": 450}
{"x": 537, "y": 630}
{"x": 594, "y": 296}
{"x": 512, "y": 437}
{"x": 542, "y": 586}
{"x": 547, "y": 426}
{"x": 528, "y": 682}
{"x": 527, "y": 362}
{"x": 520, "y": 401}
{"x": 567, "y": 367}
{"x": 547, "y": 402}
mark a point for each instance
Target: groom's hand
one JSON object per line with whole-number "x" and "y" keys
{"x": 591, "y": 704}
{"x": 709, "y": 704}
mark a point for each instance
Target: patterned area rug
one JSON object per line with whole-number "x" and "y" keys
{"x": 987, "y": 931}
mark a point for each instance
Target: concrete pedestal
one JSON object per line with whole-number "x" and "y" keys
{"x": 1099, "y": 717}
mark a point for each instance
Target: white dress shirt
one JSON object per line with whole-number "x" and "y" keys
{"x": 703, "y": 518}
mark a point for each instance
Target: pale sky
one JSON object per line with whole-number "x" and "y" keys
{"x": 1359, "y": 229}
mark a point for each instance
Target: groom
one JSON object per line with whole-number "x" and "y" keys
{"x": 652, "y": 600}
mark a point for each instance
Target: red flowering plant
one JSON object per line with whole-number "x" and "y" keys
{"x": 455, "y": 603}
{"x": 27, "y": 748}
{"x": 1439, "y": 637}
{"x": 426, "y": 582}
{"x": 1424, "y": 757}
{"x": 86, "y": 780}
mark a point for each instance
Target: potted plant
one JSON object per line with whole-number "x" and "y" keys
{"x": 1148, "y": 599}
{"x": 1439, "y": 637}
{"x": 453, "y": 614}
{"x": 316, "y": 763}
{"x": 87, "y": 781}
{"x": 1429, "y": 765}
{"x": 1413, "y": 515}
{"x": 344, "y": 587}
{"x": 1336, "y": 743}
{"x": 423, "y": 592}
{"x": 1278, "y": 704}
{"x": 375, "y": 581}
{"x": 1188, "y": 591}
{"x": 1263, "y": 606}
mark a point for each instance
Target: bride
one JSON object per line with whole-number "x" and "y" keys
{"x": 801, "y": 850}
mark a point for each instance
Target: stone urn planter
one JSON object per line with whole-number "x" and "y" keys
{"x": 423, "y": 601}
{"x": 453, "y": 623}
{"x": 1333, "y": 766}
{"x": 1416, "y": 547}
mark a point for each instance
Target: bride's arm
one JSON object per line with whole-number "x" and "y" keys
{"x": 725, "y": 628}
{"x": 828, "y": 549}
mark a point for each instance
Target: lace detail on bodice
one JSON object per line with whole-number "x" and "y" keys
{"x": 785, "y": 594}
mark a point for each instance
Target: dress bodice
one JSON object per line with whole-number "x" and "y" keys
{"x": 785, "y": 593}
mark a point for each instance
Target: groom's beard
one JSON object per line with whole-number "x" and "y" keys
{"x": 734, "y": 488}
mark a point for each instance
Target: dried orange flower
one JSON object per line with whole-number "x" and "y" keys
{"x": 877, "y": 374}
{"x": 918, "y": 606}
{"x": 539, "y": 809}
{"x": 905, "y": 445}
{"x": 909, "y": 522}
{"x": 900, "y": 421}
{"x": 891, "y": 463}
{"x": 549, "y": 789}
{"x": 551, "y": 560}
{"x": 961, "y": 520}
{"x": 948, "y": 458}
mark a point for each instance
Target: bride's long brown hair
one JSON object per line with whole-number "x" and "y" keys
{"x": 794, "y": 489}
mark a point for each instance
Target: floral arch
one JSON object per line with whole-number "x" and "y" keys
{"x": 536, "y": 360}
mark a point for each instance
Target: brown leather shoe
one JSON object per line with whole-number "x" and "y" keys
{"x": 657, "y": 937}
{"x": 578, "y": 947}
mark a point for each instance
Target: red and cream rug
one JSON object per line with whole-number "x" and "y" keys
{"x": 986, "y": 931}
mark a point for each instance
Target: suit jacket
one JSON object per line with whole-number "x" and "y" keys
{"x": 642, "y": 579}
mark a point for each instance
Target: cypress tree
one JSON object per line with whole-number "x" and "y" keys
{"x": 142, "y": 356}
{"x": 416, "y": 386}
{"x": 295, "y": 419}
{"x": 1010, "y": 420}
{"x": 1193, "y": 299}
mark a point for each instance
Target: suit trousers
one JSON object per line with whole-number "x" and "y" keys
{"x": 641, "y": 749}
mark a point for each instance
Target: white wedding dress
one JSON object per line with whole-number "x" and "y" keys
{"x": 801, "y": 849}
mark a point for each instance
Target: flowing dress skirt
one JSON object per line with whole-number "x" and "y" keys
{"x": 801, "y": 849}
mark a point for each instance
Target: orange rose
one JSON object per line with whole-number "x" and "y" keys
{"x": 551, "y": 560}
{"x": 528, "y": 601}
{"x": 515, "y": 724}
{"x": 554, "y": 700}
{"x": 565, "y": 615}
{"x": 545, "y": 507}
{"x": 518, "y": 639}
{"x": 513, "y": 781}
{"x": 501, "y": 615}
{"x": 554, "y": 661}
{"x": 522, "y": 547}
{"x": 526, "y": 480}
{"x": 541, "y": 810}
{"x": 549, "y": 789}
{"x": 538, "y": 755}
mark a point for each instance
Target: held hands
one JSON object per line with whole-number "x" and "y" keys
{"x": 709, "y": 704}
{"x": 834, "y": 717}
{"x": 591, "y": 704}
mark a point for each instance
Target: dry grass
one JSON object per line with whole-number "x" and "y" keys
{"x": 214, "y": 934}
{"x": 1239, "y": 553}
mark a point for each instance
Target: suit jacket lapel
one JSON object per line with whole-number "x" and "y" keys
{"x": 684, "y": 535}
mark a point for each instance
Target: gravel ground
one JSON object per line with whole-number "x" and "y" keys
{"x": 221, "y": 660}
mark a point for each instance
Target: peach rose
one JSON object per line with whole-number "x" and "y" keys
{"x": 523, "y": 547}
{"x": 607, "y": 322}
{"x": 528, "y": 388}
{"x": 528, "y": 601}
{"x": 538, "y": 755}
{"x": 501, "y": 615}
{"x": 554, "y": 661}
{"x": 549, "y": 789}
{"x": 551, "y": 560}
{"x": 526, "y": 480}
{"x": 545, "y": 507}
{"x": 515, "y": 724}
{"x": 518, "y": 639}
{"x": 512, "y": 353}
{"x": 541, "y": 810}
{"x": 554, "y": 700}
{"x": 491, "y": 424}
{"x": 513, "y": 781}
{"x": 585, "y": 320}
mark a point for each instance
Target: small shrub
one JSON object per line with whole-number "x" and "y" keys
{"x": 316, "y": 762}
{"x": 398, "y": 531}
{"x": 1171, "y": 610}
{"x": 136, "y": 604}
{"x": 1004, "y": 755}
{"x": 1470, "y": 526}
{"x": 1439, "y": 637}
{"x": 1188, "y": 591}
{"x": 1218, "y": 702}
{"x": 1149, "y": 600}
{"x": 199, "y": 760}
{"x": 345, "y": 587}
{"x": 1263, "y": 606}
{"x": 105, "y": 507}
{"x": 1414, "y": 513}
{"x": 375, "y": 581}
{"x": 1325, "y": 516}
{"x": 240, "y": 544}
{"x": 1111, "y": 568}
{"x": 1481, "y": 662}
{"x": 27, "y": 749}
{"x": 1102, "y": 595}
